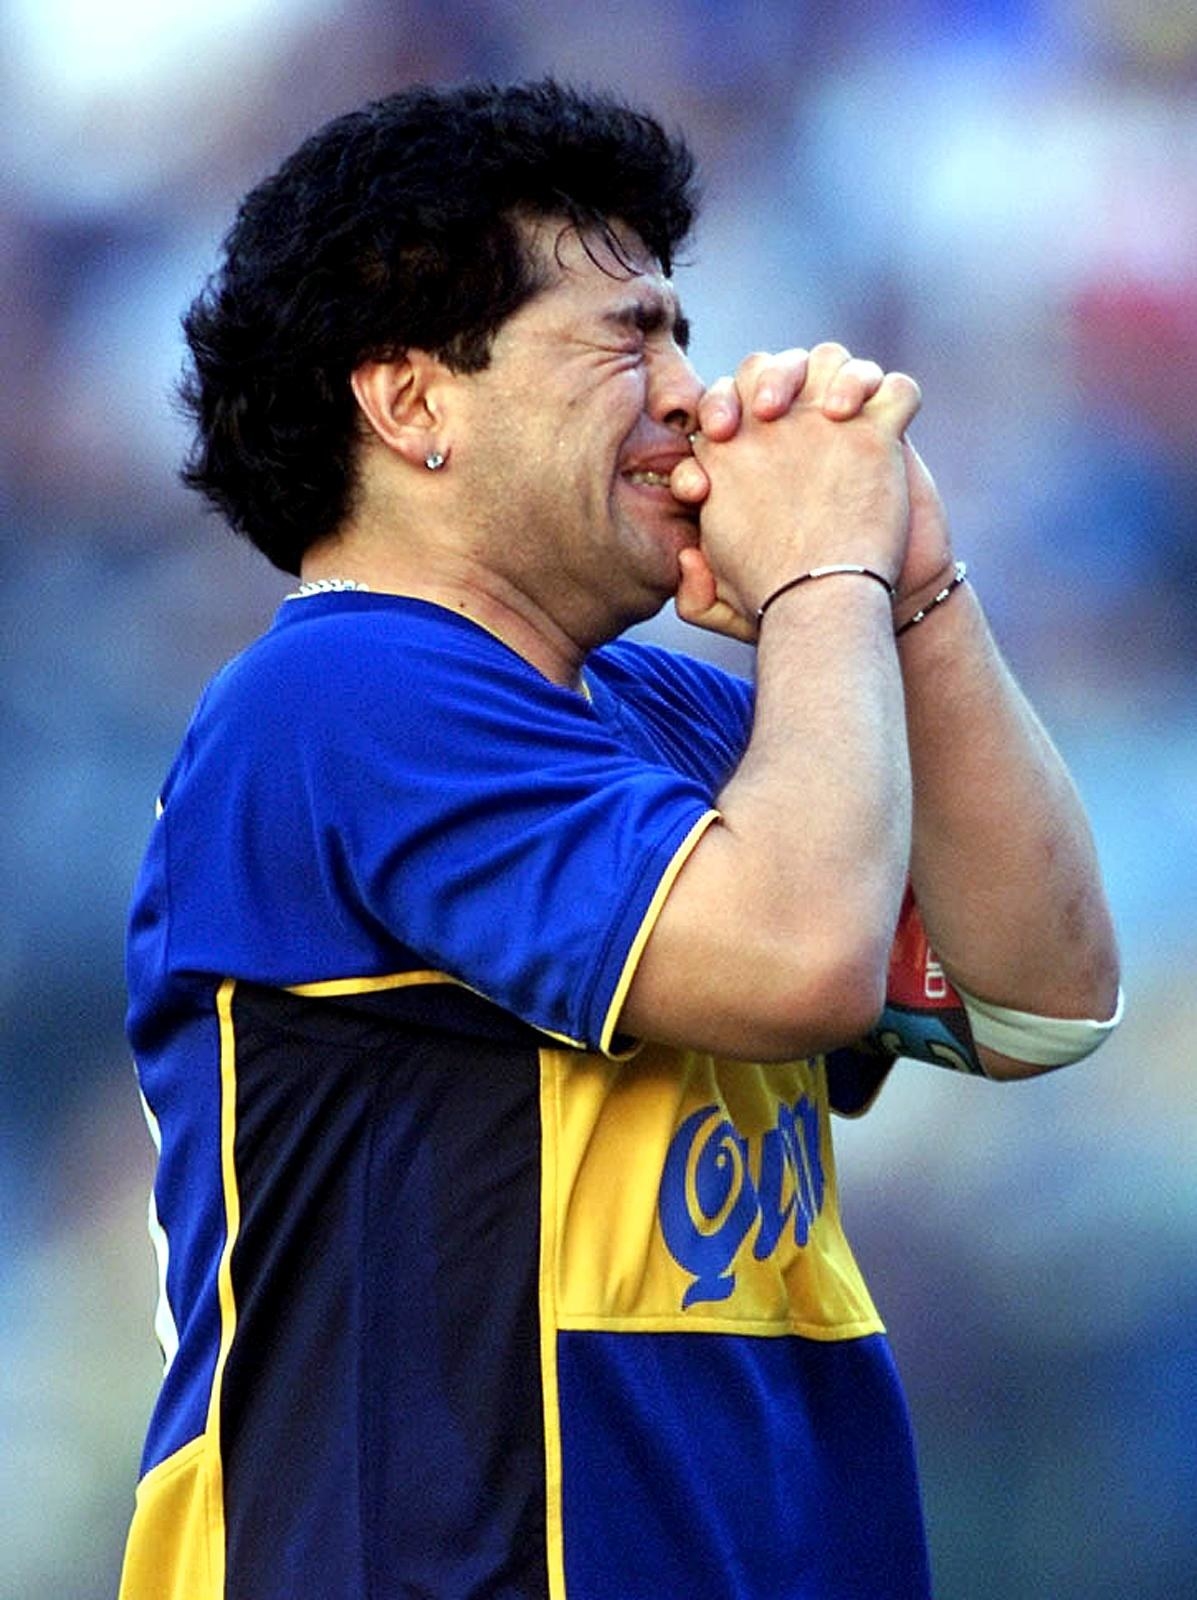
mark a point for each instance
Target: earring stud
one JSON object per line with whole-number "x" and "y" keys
{"x": 434, "y": 461}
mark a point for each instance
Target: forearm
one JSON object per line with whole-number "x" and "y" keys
{"x": 1003, "y": 861}
{"x": 774, "y": 940}
{"x": 823, "y": 792}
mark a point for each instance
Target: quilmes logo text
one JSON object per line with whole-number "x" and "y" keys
{"x": 718, "y": 1186}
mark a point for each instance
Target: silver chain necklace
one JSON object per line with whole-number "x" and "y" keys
{"x": 312, "y": 586}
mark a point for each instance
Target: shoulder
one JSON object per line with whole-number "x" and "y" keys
{"x": 688, "y": 713}
{"x": 632, "y": 669}
{"x": 366, "y": 657}
{"x": 359, "y": 634}
{"x": 346, "y": 686}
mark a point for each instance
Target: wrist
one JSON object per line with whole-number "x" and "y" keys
{"x": 913, "y": 606}
{"x": 837, "y": 569}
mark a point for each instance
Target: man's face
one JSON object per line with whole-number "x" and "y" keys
{"x": 572, "y": 430}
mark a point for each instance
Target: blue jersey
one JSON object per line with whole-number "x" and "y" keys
{"x": 465, "y": 1295}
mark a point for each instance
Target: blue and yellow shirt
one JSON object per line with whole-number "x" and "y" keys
{"x": 463, "y": 1295}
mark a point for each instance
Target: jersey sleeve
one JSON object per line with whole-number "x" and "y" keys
{"x": 428, "y": 802}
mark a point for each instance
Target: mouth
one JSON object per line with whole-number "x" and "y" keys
{"x": 647, "y": 479}
{"x": 653, "y": 484}
{"x": 647, "y": 474}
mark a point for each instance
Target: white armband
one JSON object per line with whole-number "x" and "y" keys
{"x": 1040, "y": 1041}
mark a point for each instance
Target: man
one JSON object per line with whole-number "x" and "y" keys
{"x": 488, "y": 975}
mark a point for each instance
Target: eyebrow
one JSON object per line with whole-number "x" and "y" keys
{"x": 650, "y": 316}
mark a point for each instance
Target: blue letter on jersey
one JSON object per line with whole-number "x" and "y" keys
{"x": 709, "y": 1200}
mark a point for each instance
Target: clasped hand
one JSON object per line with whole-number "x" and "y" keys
{"x": 802, "y": 461}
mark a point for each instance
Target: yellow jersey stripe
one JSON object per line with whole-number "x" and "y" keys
{"x": 681, "y": 856}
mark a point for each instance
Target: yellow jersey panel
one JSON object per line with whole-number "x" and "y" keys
{"x": 687, "y": 1193}
{"x": 175, "y": 1549}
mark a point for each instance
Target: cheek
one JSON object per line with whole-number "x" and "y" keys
{"x": 626, "y": 401}
{"x": 594, "y": 425}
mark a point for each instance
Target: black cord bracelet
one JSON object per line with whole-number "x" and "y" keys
{"x": 959, "y": 574}
{"x": 824, "y": 572}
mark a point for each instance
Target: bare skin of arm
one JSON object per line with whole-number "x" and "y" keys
{"x": 1002, "y": 858}
{"x": 1003, "y": 861}
{"x": 774, "y": 940}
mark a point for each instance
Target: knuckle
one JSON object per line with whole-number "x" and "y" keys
{"x": 829, "y": 350}
{"x": 861, "y": 371}
{"x": 789, "y": 364}
{"x": 720, "y": 400}
{"x": 903, "y": 386}
{"x": 752, "y": 363}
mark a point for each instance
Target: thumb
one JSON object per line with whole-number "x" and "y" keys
{"x": 689, "y": 483}
{"x": 699, "y": 602}
{"x": 897, "y": 400}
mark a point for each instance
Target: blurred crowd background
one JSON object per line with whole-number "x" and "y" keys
{"x": 1000, "y": 197}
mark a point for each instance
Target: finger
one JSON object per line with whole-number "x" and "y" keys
{"x": 719, "y": 409}
{"x": 698, "y": 601}
{"x": 824, "y": 362}
{"x": 696, "y": 585}
{"x": 896, "y": 402}
{"x": 778, "y": 381}
{"x": 748, "y": 377}
{"x": 689, "y": 483}
{"x": 856, "y": 382}
{"x": 766, "y": 383}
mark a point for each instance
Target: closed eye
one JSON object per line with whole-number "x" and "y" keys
{"x": 649, "y": 317}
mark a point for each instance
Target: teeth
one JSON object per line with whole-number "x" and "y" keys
{"x": 660, "y": 479}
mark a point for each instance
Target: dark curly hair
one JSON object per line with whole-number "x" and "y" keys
{"x": 392, "y": 227}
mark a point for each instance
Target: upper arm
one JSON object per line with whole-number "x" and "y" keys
{"x": 727, "y": 968}
{"x": 491, "y": 823}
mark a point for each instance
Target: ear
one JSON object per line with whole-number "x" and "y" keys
{"x": 401, "y": 401}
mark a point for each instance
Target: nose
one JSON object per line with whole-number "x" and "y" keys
{"x": 674, "y": 391}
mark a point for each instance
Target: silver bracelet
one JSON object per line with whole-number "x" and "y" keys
{"x": 823, "y": 572}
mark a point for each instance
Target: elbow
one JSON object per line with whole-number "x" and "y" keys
{"x": 823, "y": 1003}
{"x": 1019, "y": 1044}
{"x": 751, "y": 981}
